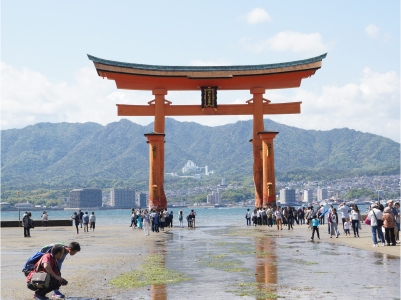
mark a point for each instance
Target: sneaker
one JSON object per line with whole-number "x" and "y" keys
{"x": 375, "y": 245}
{"x": 383, "y": 244}
{"x": 57, "y": 294}
{"x": 39, "y": 297}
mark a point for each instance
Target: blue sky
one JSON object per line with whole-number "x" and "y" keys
{"x": 46, "y": 76}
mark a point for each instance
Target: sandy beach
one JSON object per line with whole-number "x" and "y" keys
{"x": 111, "y": 251}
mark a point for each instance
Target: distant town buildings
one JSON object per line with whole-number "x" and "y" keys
{"x": 287, "y": 197}
{"x": 308, "y": 196}
{"x": 214, "y": 197}
{"x": 85, "y": 198}
{"x": 122, "y": 198}
{"x": 321, "y": 194}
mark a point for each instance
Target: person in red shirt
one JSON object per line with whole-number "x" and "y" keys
{"x": 48, "y": 263}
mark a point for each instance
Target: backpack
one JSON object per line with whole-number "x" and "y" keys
{"x": 85, "y": 218}
{"x": 30, "y": 263}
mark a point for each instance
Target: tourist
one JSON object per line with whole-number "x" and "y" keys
{"x": 80, "y": 215}
{"x": 75, "y": 219}
{"x": 27, "y": 223}
{"x": 85, "y": 221}
{"x": 269, "y": 213}
{"x": 162, "y": 220}
{"x": 356, "y": 219}
{"x": 344, "y": 210}
{"x": 193, "y": 213}
{"x": 328, "y": 215}
{"x": 290, "y": 218}
{"x": 139, "y": 219}
{"x": 259, "y": 215}
{"x": 284, "y": 214}
{"x": 44, "y": 219}
{"x": 156, "y": 222}
{"x": 248, "y": 217}
{"x": 92, "y": 221}
{"x": 181, "y": 219}
{"x": 301, "y": 216}
{"x": 347, "y": 226}
{"x": 397, "y": 222}
{"x": 315, "y": 227}
{"x": 389, "y": 224}
{"x": 375, "y": 217}
{"x": 320, "y": 214}
{"x": 152, "y": 219}
{"x": 133, "y": 218}
{"x": 264, "y": 216}
{"x": 171, "y": 219}
{"x": 333, "y": 221}
{"x": 167, "y": 218}
{"x": 279, "y": 218}
{"x": 48, "y": 264}
{"x": 146, "y": 222}
{"x": 255, "y": 217}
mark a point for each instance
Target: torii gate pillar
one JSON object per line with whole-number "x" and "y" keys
{"x": 157, "y": 198}
{"x": 269, "y": 181}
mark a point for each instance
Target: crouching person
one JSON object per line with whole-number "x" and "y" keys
{"x": 48, "y": 264}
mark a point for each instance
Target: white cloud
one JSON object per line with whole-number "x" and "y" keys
{"x": 372, "y": 31}
{"x": 258, "y": 15}
{"x": 370, "y": 105}
{"x": 308, "y": 43}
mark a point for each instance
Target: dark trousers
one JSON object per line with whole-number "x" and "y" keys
{"x": 290, "y": 221}
{"x": 315, "y": 228}
{"x": 389, "y": 236}
{"x": 321, "y": 220}
{"x": 248, "y": 221}
{"x": 343, "y": 224}
{"x": 27, "y": 231}
{"x": 54, "y": 285}
{"x": 264, "y": 218}
{"x": 259, "y": 220}
{"x": 270, "y": 222}
{"x": 355, "y": 225}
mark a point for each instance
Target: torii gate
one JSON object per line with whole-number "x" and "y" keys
{"x": 209, "y": 79}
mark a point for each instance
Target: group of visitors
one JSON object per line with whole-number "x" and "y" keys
{"x": 84, "y": 220}
{"x": 279, "y": 216}
{"x": 388, "y": 217}
{"x": 158, "y": 220}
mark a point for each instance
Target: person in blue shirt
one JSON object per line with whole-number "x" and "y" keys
{"x": 315, "y": 227}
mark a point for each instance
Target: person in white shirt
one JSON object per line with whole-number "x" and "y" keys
{"x": 248, "y": 217}
{"x": 279, "y": 218}
{"x": 92, "y": 221}
{"x": 375, "y": 217}
{"x": 343, "y": 209}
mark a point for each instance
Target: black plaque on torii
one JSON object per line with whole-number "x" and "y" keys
{"x": 209, "y": 96}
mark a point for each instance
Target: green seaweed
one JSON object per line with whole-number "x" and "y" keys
{"x": 254, "y": 289}
{"x": 151, "y": 272}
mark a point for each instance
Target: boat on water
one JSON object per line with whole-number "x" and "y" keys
{"x": 219, "y": 205}
{"x": 176, "y": 206}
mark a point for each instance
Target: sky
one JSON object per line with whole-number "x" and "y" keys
{"x": 47, "y": 77}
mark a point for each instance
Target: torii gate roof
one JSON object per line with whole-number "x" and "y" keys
{"x": 242, "y": 77}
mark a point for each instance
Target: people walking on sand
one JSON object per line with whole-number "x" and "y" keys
{"x": 27, "y": 223}
{"x": 375, "y": 217}
{"x": 279, "y": 218}
{"x": 333, "y": 221}
{"x": 315, "y": 227}
{"x": 85, "y": 221}
{"x": 389, "y": 224}
{"x": 75, "y": 219}
{"x": 92, "y": 221}
{"x": 347, "y": 226}
{"x": 80, "y": 215}
{"x": 146, "y": 222}
{"x": 248, "y": 217}
{"x": 181, "y": 219}
{"x": 45, "y": 219}
{"x": 356, "y": 219}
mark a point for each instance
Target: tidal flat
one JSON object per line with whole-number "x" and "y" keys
{"x": 204, "y": 263}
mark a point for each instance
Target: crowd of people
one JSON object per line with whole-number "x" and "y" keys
{"x": 380, "y": 218}
{"x": 157, "y": 220}
{"x": 84, "y": 219}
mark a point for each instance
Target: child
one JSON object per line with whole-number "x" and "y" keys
{"x": 315, "y": 227}
{"x": 346, "y": 227}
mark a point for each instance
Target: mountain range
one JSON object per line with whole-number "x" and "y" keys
{"x": 64, "y": 155}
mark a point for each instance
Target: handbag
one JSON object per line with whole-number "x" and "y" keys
{"x": 367, "y": 221}
{"x": 379, "y": 222}
{"x": 40, "y": 279}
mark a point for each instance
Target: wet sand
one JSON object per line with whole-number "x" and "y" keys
{"x": 223, "y": 263}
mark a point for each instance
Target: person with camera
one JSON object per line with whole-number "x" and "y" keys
{"x": 48, "y": 264}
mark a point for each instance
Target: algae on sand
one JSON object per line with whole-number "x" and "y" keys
{"x": 152, "y": 271}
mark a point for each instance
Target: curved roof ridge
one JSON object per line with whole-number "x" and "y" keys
{"x": 207, "y": 68}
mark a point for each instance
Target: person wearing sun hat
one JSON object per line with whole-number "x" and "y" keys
{"x": 389, "y": 224}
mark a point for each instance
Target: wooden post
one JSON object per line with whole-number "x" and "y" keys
{"x": 156, "y": 199}
{"x": 258, "y": 126}
{"x": 269, "y": 181}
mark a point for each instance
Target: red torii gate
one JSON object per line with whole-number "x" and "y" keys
{"x": 209, "y": 79}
